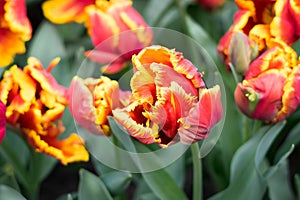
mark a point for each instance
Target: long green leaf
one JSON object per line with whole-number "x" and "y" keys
{"x": 279, "y": 184}
{"x": 292, "y": 138}
{"x": 46, "y": 44}
{"x": 91, "y": 187}
{"x": 9, "y": 193}
{"x": 168, "y": 189}
{"x": 117, "y": 181}
{"x": 297, "y": 183}
{"x": 266, "y": 143}
{"x": 245, "y": 182}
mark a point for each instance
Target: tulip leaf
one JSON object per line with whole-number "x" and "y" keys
{"x": 168, "y": 190}
{"x": 46, "y": 44}
{"x": 266, "y": 143}
{"x": 117, "y": 181}
{"x": 279, "y": 184}
{"x": 91, "y": 187}
{"x": 297, "y": 183}
{"x": 9, "y": 193}
{"x": 201, "y": 36}
{"x": 292, "y": 138}
{"x": 243, "y": 172}
{"x": 40, "y": 166}
{"x": 12, "y": 155}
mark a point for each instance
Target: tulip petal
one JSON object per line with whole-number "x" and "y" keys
{"x": 109, "y": 28}
{"x": 283, "y": 25}
{"x": 67, "y": 150}
{"x": 82, "y": 106}
{"x": 291, "y": 96}
{"x": 10, "y": 45}
{"x": 17, "y": 18}
{"x": 62, "y": 12}
{"x": 145, "y": 134}
{"x": 202, "y": 117}
{"x": 46, "y": 80}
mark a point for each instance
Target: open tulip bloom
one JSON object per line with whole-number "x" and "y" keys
{"x": 168, "y": 101}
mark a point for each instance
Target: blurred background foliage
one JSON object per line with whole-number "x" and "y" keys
{"x": 247, "y": 162}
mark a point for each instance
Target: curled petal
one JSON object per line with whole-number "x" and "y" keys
{"x": 260, "y": 98}
{"x": 283, "y": 25}
{"x": 291, "y": 96}
{"x": 61, "y": 12}
{"x": 67, "y": 150}
{"x": 294, "y": 8}
{"x": 10, "y": 45}
{"x": 2, "y": 121}
{"x": 146, "y": 134}
{"x": 274, "y": 58}
{"x": 46, "y": 80}
{"x": 161, "y": 55}
{"x": 202, "y": 117}
{"x": 109, "y": 27}
{"x": 91, "y": 101}
{"x": 17, "y": 18}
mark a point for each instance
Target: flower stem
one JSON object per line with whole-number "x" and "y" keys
{"x": 197, "y": 172}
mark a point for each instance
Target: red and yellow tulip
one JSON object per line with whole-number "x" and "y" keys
{"x": 92, "y": 100}
{"x": 263, "y": 21}
{"x": 105, "y": 19}
{"x": 170, "y": 101}
{"x": 15, "y": 30}
{"x": 35, "y": 102}
{"x": 270, "y": 90}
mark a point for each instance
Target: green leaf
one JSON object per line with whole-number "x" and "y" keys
{"x": 91, "y": 187}
{"x": 40, "y": 166}
{"x": 297, "y": 183}
{"x": 201, "y": 36}
{"x": 46, "y": 44}
{"x": 166, "y": 190}
{"x": 148, "y": 196}
{"x": 9, "y": 193}
{"x": 245, "y": 182}
{"x": 292, "y": 138}
{"x": 12, "y": 155}
{"x": 117, "y": 181}
{"x": 266, "y": 143}
{"x": 279, "y": 183}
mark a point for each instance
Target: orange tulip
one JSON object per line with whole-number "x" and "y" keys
{"x": 35, "y": 102}
{"x": 15, "y": 30}
{"x": 168, "y": 97}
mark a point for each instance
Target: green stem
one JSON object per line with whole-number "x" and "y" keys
{"x": 247, "y": 131}
{"x": 197, "y": 172}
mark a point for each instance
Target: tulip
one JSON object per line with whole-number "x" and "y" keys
{"x": 92, "y": 100}
{"x": 35, "y": 103}
{"x": 15, "y": 30}
{"x": 127, "y": 31}
{"x": 270, "y": 89}
{"x": 2, "y": 121}
{"x": 170, "y": 101}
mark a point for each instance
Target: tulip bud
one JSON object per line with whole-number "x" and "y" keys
{"x": 270, "y": 91}
{"x": 242, "y": 51}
